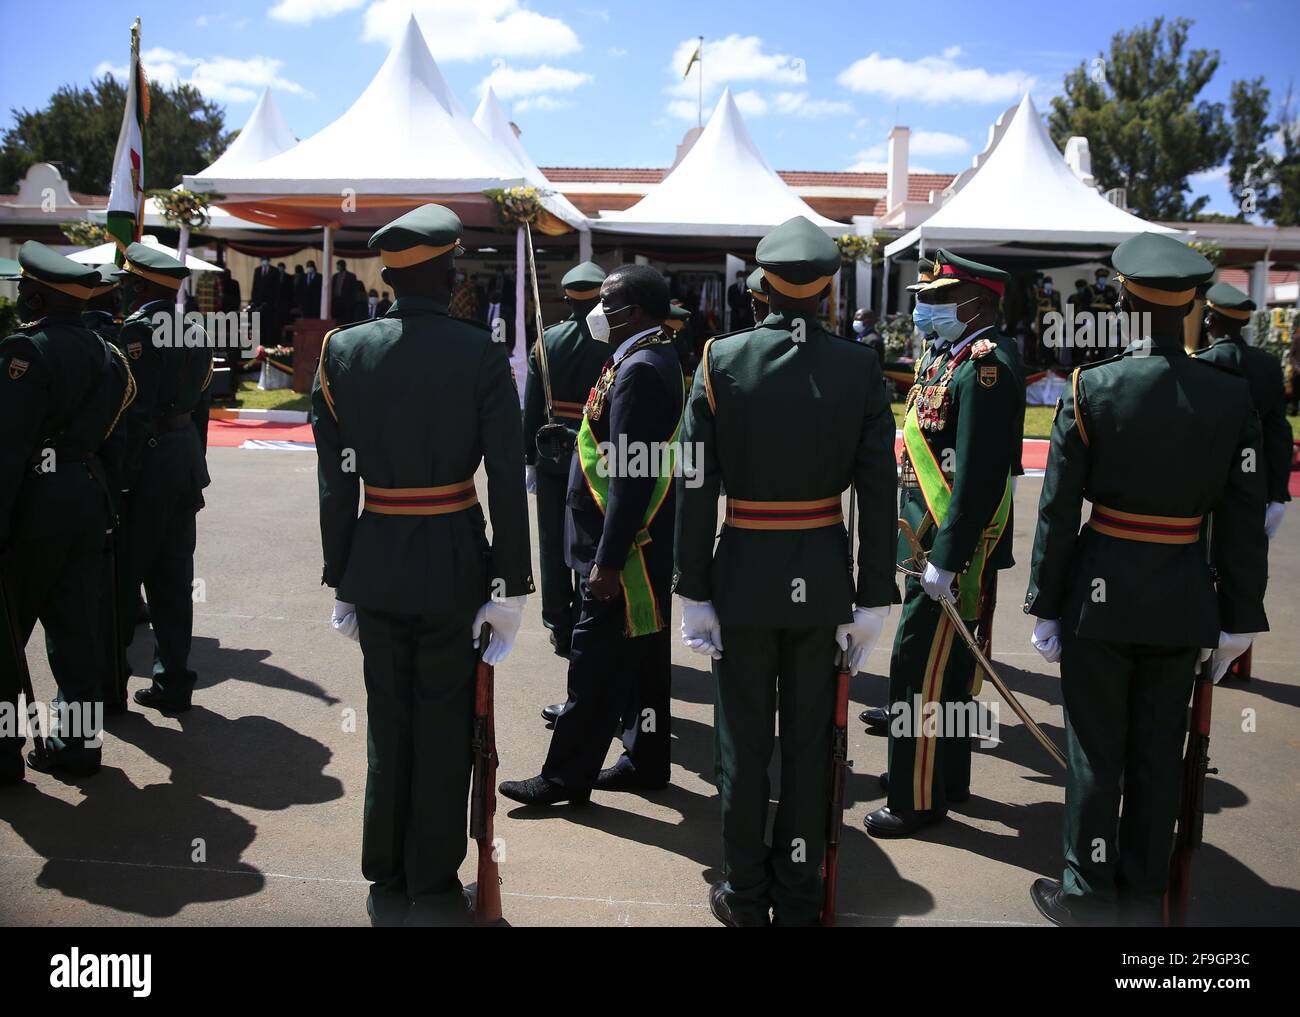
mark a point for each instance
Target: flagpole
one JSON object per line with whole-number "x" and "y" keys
{"x": 699, "y": 105}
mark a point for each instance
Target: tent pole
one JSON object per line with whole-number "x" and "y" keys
{"x": 519, "y": 289}
{"x": 584, "y": 245}
{"x": 327, "y": 272}
{"x": 884, "y": 286}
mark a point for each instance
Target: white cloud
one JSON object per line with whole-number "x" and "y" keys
{"x": 735, "y": 58}
{"x": 542, "y": 104}
{"x": 225, "y": 79}
{"x": 1209, "y": 175}
{"x": 303, "y": 11}
{"x": 514, "y": 82}
{"x": 934, "y": 79}
{"x": 937, "y": 143}
{"x": 461, "y": 30}
{"x": 798, "y": 104}
{"x": 751, "y": 104}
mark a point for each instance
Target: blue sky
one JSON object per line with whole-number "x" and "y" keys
{"x": 599, "y": 82}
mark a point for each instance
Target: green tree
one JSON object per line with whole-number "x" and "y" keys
{"x": 1281, "y": 204}
{"x": 1250, "y": 166}
{"x": 77, "y": 130}
{"x": 1146, "y": 129}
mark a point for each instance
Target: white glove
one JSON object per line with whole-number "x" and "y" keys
{"x": 530, "y": 479}
{"x": 701, "y": 630}
{"x": 1231, "y": 646}
{"x": 344, "y": 620}
{"x": 1273, "y": 517}
{"x": 859, "y": 636}
{"x": 505, "y": 617}
{"x": 937, "y": 582}
{"x": 1047, "y": 639}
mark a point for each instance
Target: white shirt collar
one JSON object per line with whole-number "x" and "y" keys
{"x": 626, "y": 344}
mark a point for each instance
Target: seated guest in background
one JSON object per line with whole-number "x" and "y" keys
{"x": 864, "y": 328}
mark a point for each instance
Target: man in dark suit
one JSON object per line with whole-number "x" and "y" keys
{"x": 344, "y": 289}
{"x": 742, "y": 312}
{"x": 308, "y": 295}
{"x": 619, "y": 538}
{"x": 265, "y": 300}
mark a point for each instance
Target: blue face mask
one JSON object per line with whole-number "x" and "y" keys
{"x": 923, "y": 318}
{"x": 945, "y": 322}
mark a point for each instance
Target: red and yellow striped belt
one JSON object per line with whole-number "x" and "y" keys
{"x": 1146, "y": 528}
{"x": 421, "y": 501}
{"x": 569, "y": 411}
{"x": 783, "y": 515}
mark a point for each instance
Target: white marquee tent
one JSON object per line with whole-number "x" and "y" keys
{"x": 722, "y": 188}
{"x": 491, "y": 119}
{"x": 406, "y": 135}
{"x": 1025, "y": 194}
{"x": 105, "y": 254}
{"x": 265, "y": 135}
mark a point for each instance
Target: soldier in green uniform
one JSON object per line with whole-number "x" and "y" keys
{"x": 1227, "y": 311}
{"x": 404, "y": 409}
{"x": 164, "y": 471}
{"x": 574, "y": 360}
{"x": 1165, "y": 447}
{"x": 100, "y": 315}
{"x": 959, "y": 434}
{"x": 786, "y": 416}
{"x": 62, "y": 391}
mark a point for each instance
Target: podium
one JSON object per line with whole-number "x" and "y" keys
{"x": 308, "y": 334}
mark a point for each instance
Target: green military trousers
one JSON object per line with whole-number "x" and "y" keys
{"x": 1125, "y": 722}
{"x": 930, "y": 676}
{"x": 758, "y": 664}
{"x": 156, "y": 542}
{"x": 419, "y": 674}
{"x": 560, "y": 599}
{"x": 62, "y": 580}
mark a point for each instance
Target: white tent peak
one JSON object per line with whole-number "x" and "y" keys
{"x": 491, "y": 119}
{"x": 264, "y": 135}
{"x": 1025, "y": 192}
{"x": 723, "y": 187}
{"x": 405, "y": 134}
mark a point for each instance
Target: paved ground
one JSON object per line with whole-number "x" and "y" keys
{"x": 247, "y": 809}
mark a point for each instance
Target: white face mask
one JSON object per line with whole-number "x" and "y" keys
{"x": 859, "y": 326}
{"x": 598, "y": 322}
{"x": 945, "y": 322}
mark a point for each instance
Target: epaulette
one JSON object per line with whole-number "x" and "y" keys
{"x": 739, "y": 331}
{"x": 982, "y": 348}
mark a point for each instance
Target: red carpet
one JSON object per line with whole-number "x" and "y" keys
{"x": 233, "y": 433}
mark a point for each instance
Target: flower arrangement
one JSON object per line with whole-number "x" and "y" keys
{"x": 516, "y": 205}
{"x": 84, "y": 233}
{"x": 183, "y": 208}
{"x": 278, "y": 357}
{"x": 1272, "y": 328}
{"x": 855, "y": 248}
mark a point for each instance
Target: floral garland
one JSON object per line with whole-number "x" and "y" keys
{"x": 84, "y": 233}
{"x": 516, "y": 205}
{"x": 855, "y": 248}
{"x": 183, "y": 208}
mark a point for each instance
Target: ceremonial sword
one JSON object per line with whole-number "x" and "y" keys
{"x": 553, "y": 438}
{"x": 950, "y": 609}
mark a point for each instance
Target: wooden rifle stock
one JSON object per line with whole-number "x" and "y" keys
{"x": 840, "y": 763}
{"x": 1191, "y": 811}
{"x": 483, "y": 796}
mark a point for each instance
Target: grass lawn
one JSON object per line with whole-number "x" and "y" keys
{"x": 1038, "y": 420}
{"x": 250, "y": 397}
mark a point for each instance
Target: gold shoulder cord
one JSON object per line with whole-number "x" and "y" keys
{"x": 128, "y": 397}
